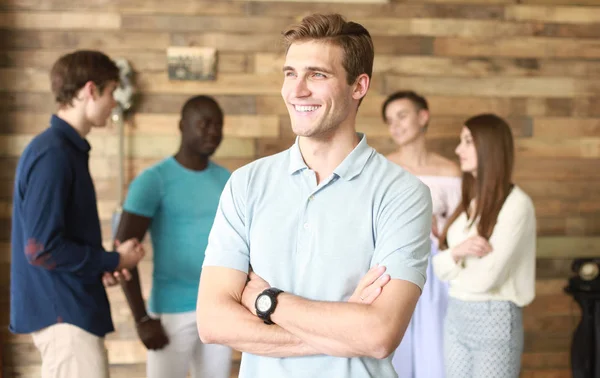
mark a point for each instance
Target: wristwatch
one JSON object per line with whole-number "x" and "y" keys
{"x": 265, "y": 304}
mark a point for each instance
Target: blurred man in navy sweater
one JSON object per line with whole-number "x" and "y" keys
{"x": 58, "y": 260}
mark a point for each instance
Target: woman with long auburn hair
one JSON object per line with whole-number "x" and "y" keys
{"x": 488, "y": 256}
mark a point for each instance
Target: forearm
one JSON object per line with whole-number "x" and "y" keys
{"x": 64, "y": 255}
{"x": 446, "y": 266}
{"x": 231, "y": 324}
{"x": 336, "y": 328}
{"x": 481, "y": 275}
{"x": 133, "y": 292}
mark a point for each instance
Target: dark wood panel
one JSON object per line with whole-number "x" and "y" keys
{"x": 392, "y": 9}
{"x": 159, "y": 103}
{"x": 206, "y": 7}
{"x": 223, "y": 24}
{"x": 270, "y": 42}
{"x": 140, "y": 61}
{"x": 403, "y": 45}
{"x": 17, "y": 101}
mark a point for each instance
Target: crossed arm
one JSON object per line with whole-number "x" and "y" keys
{"x": 372, "y": 327}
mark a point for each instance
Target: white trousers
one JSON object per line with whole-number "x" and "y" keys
{"x": 69, "y": 352}
{"x": 186, "y": 353}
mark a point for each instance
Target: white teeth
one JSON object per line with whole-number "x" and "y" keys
{"x": 305, "y": 108}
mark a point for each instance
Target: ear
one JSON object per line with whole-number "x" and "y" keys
{"x": 89, "y": 91}
{"x": 361, "y": 86}
{"x": 181, "y": 125}
{"x": 423, "y": 117}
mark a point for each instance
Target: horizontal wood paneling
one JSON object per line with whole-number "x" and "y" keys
{"x": 534, "y": 62}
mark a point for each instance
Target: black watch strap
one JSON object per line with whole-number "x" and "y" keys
{"x": 272, "y": 293}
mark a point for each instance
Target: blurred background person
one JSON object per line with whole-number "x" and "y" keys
{"x": 420, "y": 354}
{"x": 176, "y": 200}
{"x": 488, "y": 255}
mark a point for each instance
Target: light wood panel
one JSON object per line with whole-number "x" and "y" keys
{"x": 141, "y": 124}
{"x": 60, "y": 20}
{"x": 420, "y": 65}
{"x": 562, "y": 14}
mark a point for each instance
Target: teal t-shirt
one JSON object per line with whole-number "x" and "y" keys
{"x": 182, "y": 204}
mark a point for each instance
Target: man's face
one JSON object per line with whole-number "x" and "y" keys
{"x": 405, "y": 120}
{"x": 315, "y": 90}
{"x": 100, "y": 105}
{"x": 202, "y": 131}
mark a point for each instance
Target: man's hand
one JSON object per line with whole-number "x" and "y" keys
{"x": 130, "y": 252}
{"x": 116, "y": 277}
{"x": 152, "y": 334}
{"x": 370, "y": 286}
{"x": 254, "y": 286}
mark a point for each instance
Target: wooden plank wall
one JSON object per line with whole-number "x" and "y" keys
{"x": 536, "y": 62}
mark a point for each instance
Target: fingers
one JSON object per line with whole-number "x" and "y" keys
{"x": 133, "y": 241}
{"x": 140, "y": 251}
{"x": 126, "y": 274}
{"x": 118, "y": 276}
{"x": 153, "y": 334}
{"x": 370, "y": 298}
{"x": 108, "y": 279}
{"x": 372, "y": 275}
{"x": 158, "y": 342}
{"x": 483, "y": 245}
{"x": 371, "y": 292}
{"x": 115, "y": 278}
{"x": 478, "y": 246}
{"x": 368, "y": 284}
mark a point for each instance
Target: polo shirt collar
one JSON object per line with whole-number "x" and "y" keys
{"x": 349, "y": 168}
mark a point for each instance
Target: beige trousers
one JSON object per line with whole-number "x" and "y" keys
{"x": 70, "y": 352}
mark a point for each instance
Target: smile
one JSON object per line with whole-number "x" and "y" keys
{"x": 306, "y": 108}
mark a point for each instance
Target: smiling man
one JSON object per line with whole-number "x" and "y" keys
{"x": 294, "y": 269}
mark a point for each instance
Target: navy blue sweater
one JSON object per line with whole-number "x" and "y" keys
{"x": 57, "y": 254}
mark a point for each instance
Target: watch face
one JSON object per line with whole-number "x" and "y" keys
{"x": 263, "y": 303}
{"x": 589, "y": 271}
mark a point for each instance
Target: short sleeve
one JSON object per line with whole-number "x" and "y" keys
{"x": 228, "y": 244}
{"x": 224, "y": 175}
{"x": 402, "y": 242}
{"x": 144, "y": 195}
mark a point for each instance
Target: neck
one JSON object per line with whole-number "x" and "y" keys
{"x": 192, "y": 161}
{"x": 75, "y": 119}
{"x": 414, "y": 155}
{"x": 324, "y": 153}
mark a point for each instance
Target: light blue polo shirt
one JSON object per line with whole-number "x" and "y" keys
{"x": 182, "y": 204}
{"x": 318, "y": 241}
